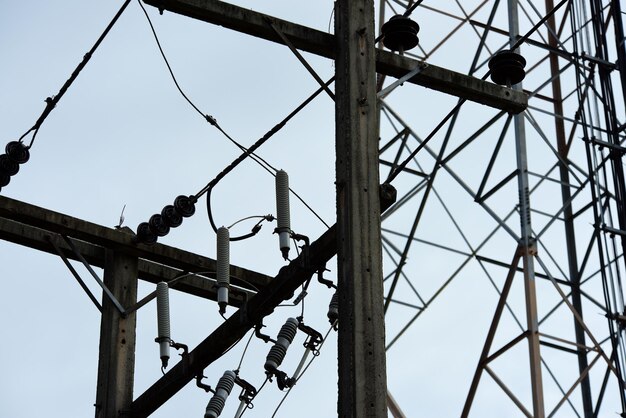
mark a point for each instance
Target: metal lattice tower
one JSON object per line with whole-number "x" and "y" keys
{"x": 544, "y": 189}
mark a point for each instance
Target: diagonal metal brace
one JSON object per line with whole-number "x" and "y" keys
{"x": 418, "y": 69}
{"x": 106, "y": 290}
{"x": 303, "y": 61}
{"x": 72, "y": 270}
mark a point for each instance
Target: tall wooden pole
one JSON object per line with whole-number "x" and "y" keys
{"x": 362, "y": 369}
{"x": 116, "y": 365}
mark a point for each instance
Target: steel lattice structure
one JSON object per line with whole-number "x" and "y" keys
{"x": 544, "y": 189}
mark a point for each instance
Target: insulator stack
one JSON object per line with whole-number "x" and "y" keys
{"x": 170, "y": 217}
{"x": 333, "y": 308}
{"x": 158, "y": 225}
{"x": 279, "y": 349}
{"x": 282, "y": 212}
{"x": 400, "y": 33}
{"x": 223, "y": 267}
{"x": 163, "y": 321}
{"x": 222, "y": 390}
{"x": 507, "y": 68}
{"x": 16, "y": 153}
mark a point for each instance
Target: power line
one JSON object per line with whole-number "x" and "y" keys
{"x": 247, "y": 152}
{"x": 52, "y": 101}
{"x": 205, "y": 116}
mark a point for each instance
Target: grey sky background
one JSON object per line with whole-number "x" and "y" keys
{"x": 123, "y": 135}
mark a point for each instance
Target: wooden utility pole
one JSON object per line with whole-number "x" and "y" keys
{"x": 362, "y": 367}
{"x": 116, "y": 365}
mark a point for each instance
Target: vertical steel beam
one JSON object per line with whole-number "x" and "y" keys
{"x": 116, "y": 364}
{"x": 362, "y": 368}
{"x": 527, "y": 244}
{"x": 570, "y": 236}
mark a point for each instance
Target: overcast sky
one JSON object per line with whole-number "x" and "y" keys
{"x": 124, "y": 137}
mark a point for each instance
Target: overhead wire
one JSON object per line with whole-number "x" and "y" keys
{"x": 245, "y": 349}
{"x": 411, "y": 8}
{"x": 247, "y": 152}
{"x": 257, "y": 394}
{"x": 52, "y": 101}
{"x": 205, "y": 116}
{"x": 209, "y": 187}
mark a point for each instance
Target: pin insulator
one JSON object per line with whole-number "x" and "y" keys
{"x": 507, "y": 67}
{"x": 171, "y": 216}
{"x": 400, "y": 33}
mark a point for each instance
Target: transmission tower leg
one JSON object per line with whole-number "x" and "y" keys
{"x": 570, "y": 236}
{"x": 116, "y": 364}
{"x": 527, "y": 244}
{"x": 362, "y": 368}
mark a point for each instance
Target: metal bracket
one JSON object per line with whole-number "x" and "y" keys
{"x": 74, "y": 273}
{"x": 106, "y": 290}
{"x": 385, "y": 92}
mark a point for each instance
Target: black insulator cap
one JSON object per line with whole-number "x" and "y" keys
{"x": 158, "y": 226}
{"x": 8, "y": 166}
{"x": 171, "y": 217}
{"x": 400, "y": 33}
{"x": 185, "y": 206}
{"x": 145, "y": 234}
{"x": 507, "y": 67}
{"x": 17, "y": 152}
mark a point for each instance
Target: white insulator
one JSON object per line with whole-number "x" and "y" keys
{"x": 223, "y": 267}
{"x": 163, "y": 321}
{"x": 282, "y": 212}
{"x": 222, "y": 390}
{"x": 278, "y": 351}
